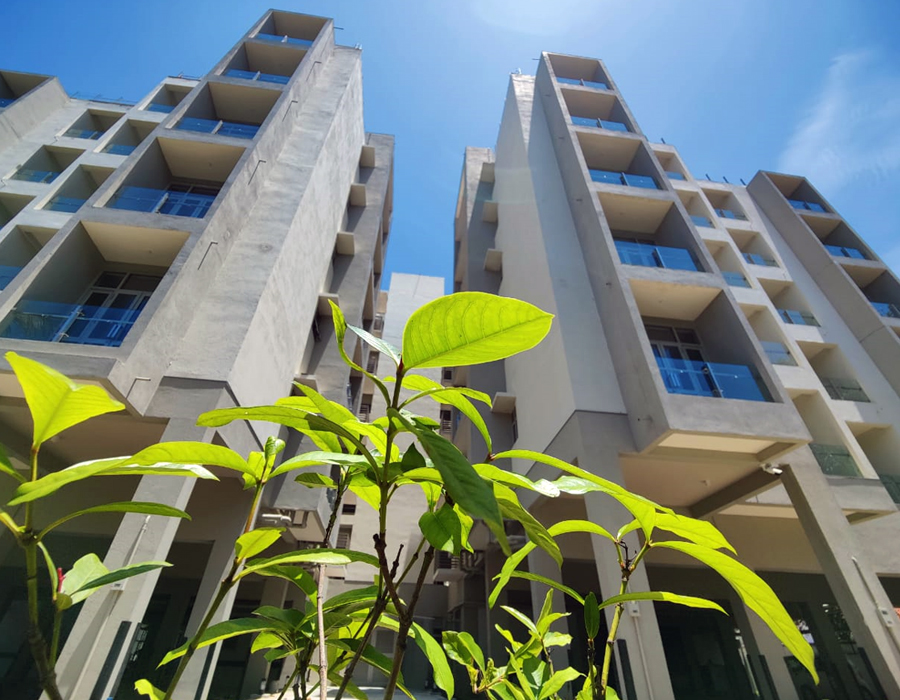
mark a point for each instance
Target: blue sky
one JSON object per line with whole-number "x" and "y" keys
{"x": 737, "y": 86}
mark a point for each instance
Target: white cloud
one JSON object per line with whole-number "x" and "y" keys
{"x": 853, "y": 129}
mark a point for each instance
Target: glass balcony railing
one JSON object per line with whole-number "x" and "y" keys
{"x": 69, "y": 323}
{"x": 756, "y": 259}
{"x": 647, "y": 255}
{"x": 119, "y": 149}
{"x": 6, "y": 101}
{"x": 777, "y": 353}
{"x": 713, "y": 379}
{"x": 284, "y": 39}
{"x": 729, "y": 214}
{"x": 835, "y": 460}
{"x": 842, "y": 252}
{"x": 613, "y": 178}
{"x": 885, "y": 309}
{"x": 808, "y": 206}
{"x": 83, "y": 134}
{"x": 845, "y": 390}
{"x": 600, "y": 124}
{"x": 241, "y": 131}
{"x": 585, "y": 83}
{"x": 798, "y": 318}
{"x": 701, "y": 220}
{"x": 251, "y": 75}
{"x": 159, "y": 107}
{"x": 29, "y": 175}
{"x": 7, "y": 274}
{"x": 66, "y": 204}
{"x": 222, "y": 128}
{"x": 735, "y": 279}
{"x": 891, "y": 483}
{"x": 672, "y": 175}
{"x": 190, "y": 204}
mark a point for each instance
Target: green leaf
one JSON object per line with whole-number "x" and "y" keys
{"x": 318, "y": 458}
{"x": 349, "y": 597}
{"x": 340, "y": 332}
{"x": 89, "y": 573}
{"x": 314, "y": 479}
{"x": 443, "y": 676}
{"x": 144, "y": 687}
{"x": 757, "y": 595}
{"x": 689, "y": 601}
{"x": 445, "y": 529}
{"x": 331, "y": 410}
{"x": 7, "y": 468}
{"x": 697, "y": 531}
{"x": 426, "y": 387}
{"x": 55, "y": 401}
{"x": 361, "y": 486}
{"x": 629, "y": 527}
{"x": 494, "y": 473}
{"x": 218, "y": 632}
{"x": 51, "y": 567}
{"x": 122, "y": 507}
{"x": 611, "y": 693}
{"x": 252, "y": 543}
{"x": 297, "y": 575}
{"x": 529, "y": 625}
{"x": 453, "y": 396}
{"x": 381, "y": 345}
{"x": 462, "y": 648}
{"x": 10, "y": 524}
{"x": 330, "y": 557}
{"x": 194, "y": 453}
{"x": 537, "y": 533}
{"x": 591, "y": 615}
{"x": 266, "y": 640}
{"x": 471, "y": 328}
{"x": 537, "y": 578}
{"x": 472, "y": 493}
{"x": 555, "y": 683}
{"x": 556, "y": 639}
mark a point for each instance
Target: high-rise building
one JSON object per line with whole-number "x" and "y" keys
{"x": 181, "y": 252}
{"x": 729, "y": 351}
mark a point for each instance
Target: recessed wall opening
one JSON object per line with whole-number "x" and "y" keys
{"x": 728, "y": 263}
{"x": 92, "y": 124}
{"x": 884, "y": 294}
{"x": 574, "y": 70}
{"x": 128, "y": 137}
{"x": 754, "y": 248}
{"x": 768, "y": 332}
{"x": 291, "y": 28}
{"x": 696, "y": 209}
{"x": 177, "y": 177}
{"x": 11, "y": 204}
{"x": 837, "y": 375}
{"x": 265, "y": 62}
{"x": 599, "y": 110}
{"x": 725, "y": 205}
{"x": 228, "y": 110}
{"x": 320, "y": 330}
{"x": 617, "y": 161}
{"x": 14, "y": 85}
{"x": 672, "y": 165}
{"x": 46, "y": 164}
{"x": 78, "y": 188}
{"x": 791, "y": 305}
{"x": 842, "y": 242}
{"x": 89, "y": 293}
{"x": 827, "y": 445}
{"x": 167, "y": 98}
{"x": 799, "y": 193}
{"x": 17, "y": 248}
{"x": 881, "y": 446}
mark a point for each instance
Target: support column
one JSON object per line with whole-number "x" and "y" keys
{"x": 97, "y": 648}
{"x": 274, "y": 593}
{"x": 763, "y": 646}
{"x": 856, "y": 587}
{"x": 542, "y": 564}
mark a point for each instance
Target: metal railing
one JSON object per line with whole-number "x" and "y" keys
{"x": 83, "y": 134}
{"x": 159, "y": 107}
{"x": 713, "y": 379}
{"x": 843, "y": 252}
{"x": 150, "y": 200}
{"x": 729, "y": 214}
{"x": 614, "y": 178}
{"x": 798, "y": 318}
{"x": 600, "y": 124}
{"x": 672, "y": 175}
{"x": 119, "y": 149}
{"x": 834, "y": 460}
{"x": 808, "y": 206}
{"x": 777, "y": 353}
{"x": 69, "y": 323}
{"x": 222, "y": 128}
{"x": 701, "y": 220}
{"x": 844, "y": 390}
{"x": 584, "y": 83}
{"x": 647, "y": 255}
{"x": 757, "y": 259}
{"x": 283, "y": 39}
{"x": 29, "y": 175}
{"x": 886, "y": 309}
{"x": 66, "y": 204}
{"x": 735, "y": 279}
{"x": 257, "y": 75}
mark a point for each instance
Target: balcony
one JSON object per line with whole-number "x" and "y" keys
{"x": 648, "y": 255}
{"x": 91, "y": 134}
{"x": 29, "y": 175}
{"x": 7, "y": 274}
{"x": 672, "y": 175}
{"x": 844, "y": 252}
{"x": 729, "y": 214}
{"x": 891, "y": 483}
{"x": 614, "y": 178}
{"x": 305, "y": 43}
{"x": 600, "y": 124}
{"x": 120, "y": 149}
{"x": 845, "y": 390}
{"x": 807, "y": 206}
{"x": 222, "y": 128}
{"x": 798, "y": 318}
{"x": 262, "y": 77}
{"x": 701, "y": 220}
{"x": 712, "y": 379}
{"x": 834, "y": 460}
{"x": 735, "y": 279}
{"x": 69, "y": 323}
{"x": 191, "y": 201}
{"x": 65, "y": 204}
{"x": 757, "y": 259}
{"x": 885, "y": 309}
{"x": 596, "y": 84}
{"x": 159, "y": 107}
{"x": 777, "y": 353}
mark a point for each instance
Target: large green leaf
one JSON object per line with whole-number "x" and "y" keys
{"x": 472, "y": 493}
{"x": 426, "y": 387}
{"x": 340, "y": 332}
{"x": 89, "y": 574}
{"x": 697, "y": 531}
{"x": 145, "y": 687}
{"x": 591, "y": 615}
{"x": 494, "y": 473}
{"x": 331, "y": 410}
{"x": 462, "y": 648}
{"x": 471, "y": 328}
{"x": 445, "y": 529}
{"x": 55, "y": 401}
{"x": 537, "y": 533}
{"x": 381, "y": 345}
{"x": 757, "y": 595}
{"x": 281, "y": 415}
{"x": 194, "y": 453}
{"x": 555, "y": 683}
{"x": 537, "y": 578}
{"x": 357, "y": 595}
{"x": 297, "y": 575}
{"x": 318, "y": 458}
{"x": 330, "y": 557}
{"x": 218, "y": 632}
{"x": 121, "y": 507}
{"x": 7, "y": 468}
{"x": 443, "y": 676}
{"x": 256, "y": 541}
{"x": 660, "y": 596}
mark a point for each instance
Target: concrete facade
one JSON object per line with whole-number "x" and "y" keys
{"x": 180, "y": 252}
{"x": 728, "y": 351}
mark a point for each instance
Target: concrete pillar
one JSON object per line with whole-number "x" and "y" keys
{"x": 542, "y": 564}
{"x": 274, "y": 593}
{"x": 760, "y": 642}
{"x": 97, "y": 647}
{"x": 856, "y": 587}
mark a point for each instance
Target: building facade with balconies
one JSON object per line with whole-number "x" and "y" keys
{"x": 181, "y": 252}
{"x": 731, "y": 352}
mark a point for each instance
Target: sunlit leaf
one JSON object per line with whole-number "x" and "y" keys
{"x": 494, "y": 473}
{"x": 318, "y": 458}
{"x": 462, "y": 648}
{"x": 555, "y": 683}
{"x": 537, "y": 533}
{"x": 443, "y": 676}
{"x": 426, "y": 386}
{"x": 537, "y": 578}
{"x": 660, "y": 596}
{"x": 382, "y": 346}
{"x": 445, "y": 530}
{"x": 144, "y": 687}
{"x": 697, "y": 531}
{"x": 218, "y": 632}
{"x": 194, "y": 453}
{"x": 7, "y": 468}
{"x": 256, "y": 541}
{"x": 122, "y": 507}
{"x": 297, "y": 575}
{"x": 89, "y": 574}
{"x": 591, "y": 615}
{"x": 331, "y": 557}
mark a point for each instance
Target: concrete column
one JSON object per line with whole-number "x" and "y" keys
{"x": 760, "y": 641}
{"x": 97, "y": 648}
{"x": 856, "y": 587}
{"x": 542, "y": 564}
{"x": 274, "y": 593}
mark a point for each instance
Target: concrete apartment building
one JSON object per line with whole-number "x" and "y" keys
{"x": 731, "y": 352}
{"x": 180, "y": 252}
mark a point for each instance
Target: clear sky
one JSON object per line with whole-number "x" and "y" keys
{"x": 801, "y": 86}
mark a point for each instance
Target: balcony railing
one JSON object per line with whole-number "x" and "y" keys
{"x": 835, "y": 460}
{"x": 842, "y": 252}
{"x": 222, "y": 128}
{"x": 69, "y": 323}
{"x": 713, "y": 379}
{"x": 672, "y": 175}
{"x": 83, "y": 134}
{"x": 756, "y": 259}
{"x": 119, "y": 149}
{"x": 777, "y": 353}
{"x": 613, "y": 178}
{"x": 808, "y": 206}
{"x": 885, "y": 309}
{"x": 284, "y": 39}
{"x": 251, "y": 75}
{"x": 191, "y": 204}
{"x": 585, "y": 83}
{"x": 600, "y": 124}
{"x": 6, "y": 101}
{"x": 701, "y": 220}
{"x": 29, "y": 175}
{"x": 159, "y": 107}
{"x": 891, "y": 483}
{"x": 729, "y": 214}
{"x": 66, "y": 204}
{"x": 647, "y": 255}
{"x": 845, "y": 390}
{"x": 8, "y": 274}
{"x": 798, "y": 318}
{"x": 735, "y": 279}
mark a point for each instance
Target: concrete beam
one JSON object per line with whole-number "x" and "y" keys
{"x": 740, "y": 490}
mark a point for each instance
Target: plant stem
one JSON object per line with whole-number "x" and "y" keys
{"x": 320, "y": 617}
{"x": 289, "y": 681}
{"x": 54, "y": 642}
